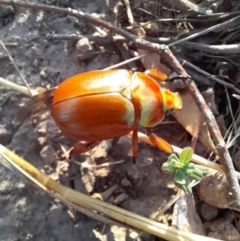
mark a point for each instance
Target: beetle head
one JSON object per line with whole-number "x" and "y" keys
{"x": 171, "y": 101}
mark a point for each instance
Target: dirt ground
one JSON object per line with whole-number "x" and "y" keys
{"x": 29, "y": 214}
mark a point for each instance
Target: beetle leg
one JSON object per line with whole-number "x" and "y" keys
{"x": 80, "y": 147}
{"x": 158, "y": 75}
{"x": 159, "y": 142}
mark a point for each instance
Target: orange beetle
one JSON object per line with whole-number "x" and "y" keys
{"x": 99, "y": 105}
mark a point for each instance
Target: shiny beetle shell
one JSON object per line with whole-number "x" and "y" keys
{"x": 99, "y": 105}
{"x": 94, "y": 107}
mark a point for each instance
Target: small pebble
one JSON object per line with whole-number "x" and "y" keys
{"x": 35, "y": 63}
{"x": 83, "y": 45}
{"x": 48, "y": 155}
{"x": 208, "y": 212}
{"x": 120, "y": 198}
{"x": 44, "y": 73}
{"x": 126, "y": 183}
{"x": 222, "y": 229}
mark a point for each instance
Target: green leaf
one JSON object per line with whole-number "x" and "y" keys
{"x": 203, "y": 169}
{"x": 196, "y": 175}
{"x": 172, "y": 168}
{"x": 180, "y": 177}
{"x": 166, "y": 169}
{"x": 186, "y": 187}
{"x": 186, "y": 155}
{"x": 172, "y": 163}
{"x": 172, "y": 157}
{"x": 189, "y": 168}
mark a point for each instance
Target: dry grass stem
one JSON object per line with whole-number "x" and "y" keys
{"x": 73, "y": 197}
{"x": 15, "y": 66}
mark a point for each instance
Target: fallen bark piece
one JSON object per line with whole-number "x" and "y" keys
{"x": 185, "y": 216}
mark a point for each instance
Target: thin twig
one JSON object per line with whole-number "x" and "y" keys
{"x": 125, "y": 62}
{"x": 15, "y": 66}
{"x": 167, "y": 55}
{"x": 10, "y": 44}
{"x": 129, "y": 12}
{"x": 194, "y": 7}
{"x": 101, "y": 40}
{"x": 220, "y": 26}
{"x": 209, "y": 76}
{"x": 222, "y": 59}
{"x": 199, "y": 78}
{"x": 215, "y": 49}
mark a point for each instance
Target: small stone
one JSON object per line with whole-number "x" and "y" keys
{"x": 48, "y": 155}
{"x": 222, "y": 229}
{"x": 214, "y": 190}
{"x": 35, "y": 63}
{"x": 120, "y": 199}
{"x": 126, "y": 183}
{"x": 83, "y": 45}
{"x": 42, "y": 140}
{"x": 208, "y": 212}
{"x": 43, "y": 73}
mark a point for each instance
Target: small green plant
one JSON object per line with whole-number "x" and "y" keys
{"x": 183, "y": 169}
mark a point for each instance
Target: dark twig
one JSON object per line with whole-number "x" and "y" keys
{"x": 101, "y": 40}
{"x": 220, "y": 26}
{"x": 209, "y": 76}
{"x": 167, "y": 55}
{"x": 199, "y": 78}
{"x": 215, "y": 49}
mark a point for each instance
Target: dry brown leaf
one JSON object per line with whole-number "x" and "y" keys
{"x": 152, "y": 61}
{"x": 189, "y": 116}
